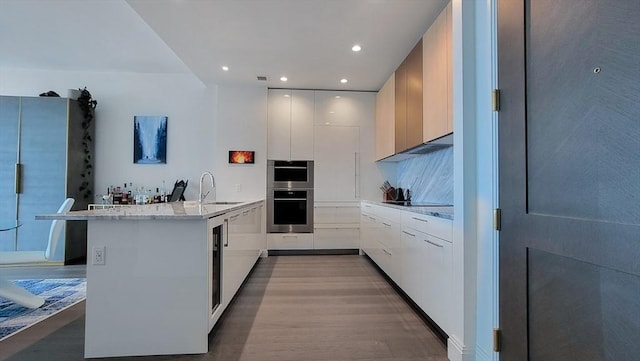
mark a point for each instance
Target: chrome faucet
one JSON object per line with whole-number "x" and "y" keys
{"x": 213, "y": 184}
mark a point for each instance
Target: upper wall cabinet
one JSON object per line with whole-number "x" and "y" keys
{"x": 341, "y": 107}
{"x": 408, "y": 101}
{"x": 385, "y": 118}
{"x": 290, "y": 124}
{"x": 437, "y": 78}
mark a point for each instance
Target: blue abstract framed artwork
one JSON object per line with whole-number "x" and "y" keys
{"x": 149, "y": 139}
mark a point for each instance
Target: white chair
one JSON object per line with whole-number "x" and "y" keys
{"x": 20, "y": 257}
{"x": 18, "y": 294}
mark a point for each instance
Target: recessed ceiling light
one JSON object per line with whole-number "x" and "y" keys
{"x": 283, "y": 78}
{"x": 286, "y": 95}
{"x": 343, "y": 81}
{"x": 337, "y": 97}
{"x": 225, "y": 68}
{"x": 327, "y": 123}
{"x": 356, "y": 48}
{"x": 332, "y": 112}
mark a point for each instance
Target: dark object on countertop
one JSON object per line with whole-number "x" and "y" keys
{"x": 178, "y": 191}
{"x": 407, "y": 197}
{"x": 50, "y": 93}
{"x": 399, "y": 195}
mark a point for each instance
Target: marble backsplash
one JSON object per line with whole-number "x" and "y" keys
{"x": 428, "y": 176}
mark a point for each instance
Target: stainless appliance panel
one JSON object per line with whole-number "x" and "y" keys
{"x": 289, "y": 210}
{"x": 290, "y": 174}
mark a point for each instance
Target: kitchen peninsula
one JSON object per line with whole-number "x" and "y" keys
{"x": 159, "y": 276}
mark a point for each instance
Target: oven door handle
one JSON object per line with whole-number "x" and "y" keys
{"x": 289, "y": 199}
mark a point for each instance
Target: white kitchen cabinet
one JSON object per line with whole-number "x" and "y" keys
{"x": 288, "y": 241}
{"x": 413, "y": 267}
{"x": 290, "y": 124}
{"x": 241, "y": 248}
{"x": 337, "y": 163}
{"x": 382, "y": 238}
{"x": 437, "y": 290}
{"x": 432, "y": 261}
{"x": 367, "y": 235}
{"x": 231, "y": 257}
{"x": 342, "y": 108}
{"x": 336, "y": 236}
{"x": 302, "y": 104}
{"x": 336, "y": 225}
{"x": 279, "y": 124}
{"x": 391, "y": 249}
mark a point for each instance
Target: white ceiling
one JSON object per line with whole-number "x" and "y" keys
{"x": 309, "y": 41}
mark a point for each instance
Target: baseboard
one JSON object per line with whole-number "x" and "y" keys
{"x": 457, "y": 351}
{"x": 311, "y": 252}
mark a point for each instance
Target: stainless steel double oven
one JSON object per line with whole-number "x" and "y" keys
{"x": 290, "y": 196}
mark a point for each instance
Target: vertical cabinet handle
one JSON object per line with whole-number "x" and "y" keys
{"x": 356, "y": 173}
{"x": 226, "y": 231}
{"x": 18, "y": 178}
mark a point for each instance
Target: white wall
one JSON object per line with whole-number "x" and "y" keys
{"x": 189, "y": 105}
{"x": 241, "y": 125}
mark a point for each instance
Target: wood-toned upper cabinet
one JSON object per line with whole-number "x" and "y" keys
{"x": 385, "y": 117}
{"x": 414, "y": 96}
{"x": 437, "y": 78}
{"x": 401, "y": 108}
{"x": 408, "y": 100}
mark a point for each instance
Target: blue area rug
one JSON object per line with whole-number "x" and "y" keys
{"x": 59, "y": 294}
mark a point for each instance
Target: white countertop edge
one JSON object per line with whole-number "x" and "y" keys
{"x": 440, "y": 212}
{"x": 160, "y": 211}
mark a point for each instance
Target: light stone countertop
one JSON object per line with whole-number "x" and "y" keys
{"x": 160, "y": 211}
{"x": 441, "y": 212}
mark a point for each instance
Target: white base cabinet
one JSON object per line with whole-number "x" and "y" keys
{"x": 415, "y": 251}
{"x": 285, "y": 241}
{"x": 241, "y": 249}
{"x": 336, "y": 225}
{"x": 154, "y": 293}
{"x": 382, "y": 239}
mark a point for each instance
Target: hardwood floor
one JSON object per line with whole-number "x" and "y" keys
{"x": 292, "y": 308}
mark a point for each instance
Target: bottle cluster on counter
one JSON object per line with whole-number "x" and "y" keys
{"x": 138, "y": 195}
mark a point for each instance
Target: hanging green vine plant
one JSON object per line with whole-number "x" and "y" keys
{"x": 87, "y": 105}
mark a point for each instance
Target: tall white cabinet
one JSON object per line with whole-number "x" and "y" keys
{"x": 326, "y": 127}
{"x": 290, "y": 124}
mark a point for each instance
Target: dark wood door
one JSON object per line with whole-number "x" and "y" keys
{"x": 569, "y": 154}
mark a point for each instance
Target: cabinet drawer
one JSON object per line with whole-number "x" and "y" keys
{"x": 336, "y": 238}
{"x": 328, "y": 214}
{"x": 435, "y": 226}
{"x": 389, "y": 213}
{"x": 290, "y": 241}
